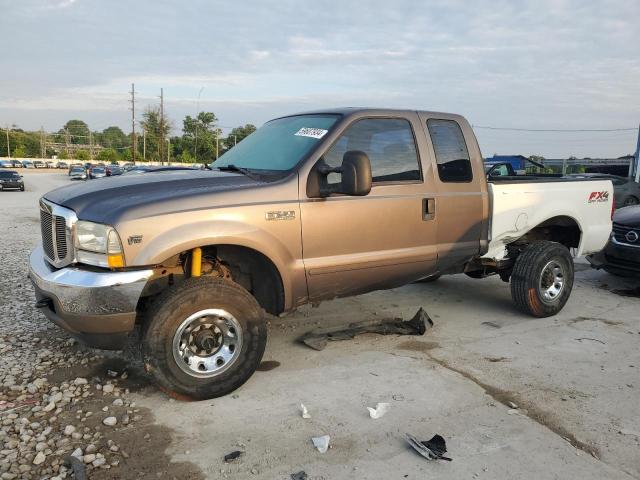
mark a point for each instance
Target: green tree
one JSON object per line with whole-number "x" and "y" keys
{"x": 19, "y": 152}
{"x": 108, "y": 155}
{"x": 199, "y": 136}
{"x": 238, "y": 134}
{"x": 82, "y": 155}
{"x": 114, "y": 137}
{"x": 77, "y": 130}
{"x": 154, "y": 129}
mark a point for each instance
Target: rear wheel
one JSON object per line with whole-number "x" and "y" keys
{"x": 542, "y": 278}
{"x": 204, "y": 338}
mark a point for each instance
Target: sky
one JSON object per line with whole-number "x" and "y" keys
{"x": 543, "y": 64}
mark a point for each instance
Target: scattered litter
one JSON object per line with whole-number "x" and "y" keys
{"x": 592, "y": 339}
{"x": 379, "y": 411}
{"x": 77, "y": 467}
{"x": 321, "y": 443}
{"x": 304, "y": 411}
{"x": 433, "y": 449}
{"x": 302, "y": 475}
{"x": 230, "y": 457}
{"x": 624, "y": 431}
{"x": 491, "y": 324}
{"x": 318, "y": 339}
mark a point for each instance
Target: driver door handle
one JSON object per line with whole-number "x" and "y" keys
{"x": 428, "y": 209}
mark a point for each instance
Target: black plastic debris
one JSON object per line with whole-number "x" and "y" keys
{"x": 418, "y": 325}
{"x": 433, "y": 449}
{"x": 299, "y": 476}
{"x": 230, "y": 457}
{"x": 77, "y": 467}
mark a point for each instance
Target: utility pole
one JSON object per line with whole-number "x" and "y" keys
{"x": 195, "y": 150}
{"x": 637, "y": 159}
{"x": 66, "y": 140}
{"x": 161, "y": 146}
{"x": 8, "y": 148}
{"x": 134, "y": 143}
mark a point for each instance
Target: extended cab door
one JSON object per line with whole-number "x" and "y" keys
{"x": 384, "y": 239}
{"x": 462, "y": 207}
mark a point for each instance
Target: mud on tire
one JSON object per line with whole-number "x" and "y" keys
{"x": 169, "y": 314}
{"x": 542, "y": 278}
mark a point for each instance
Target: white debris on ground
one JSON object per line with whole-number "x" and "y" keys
{"x": 44, "y": 420}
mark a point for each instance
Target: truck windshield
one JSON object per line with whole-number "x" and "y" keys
{"x": 278, "y": 145}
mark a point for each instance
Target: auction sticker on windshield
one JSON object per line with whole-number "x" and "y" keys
{"x": 311, "y": 132}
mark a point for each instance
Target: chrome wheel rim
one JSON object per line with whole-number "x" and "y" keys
{"x": 207, "y": 343}
{"x": 552, "y": 280}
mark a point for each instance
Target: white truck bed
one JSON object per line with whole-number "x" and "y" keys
{"x": 519, "y": 206}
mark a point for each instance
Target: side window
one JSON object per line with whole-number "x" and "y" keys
{"x": 389, "y": 144}
{"x": 451, "y": 151}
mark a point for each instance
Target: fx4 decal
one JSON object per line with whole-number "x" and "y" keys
{"x": 599, "y": 197}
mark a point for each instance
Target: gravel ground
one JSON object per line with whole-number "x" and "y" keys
{"x": 514, "y": 397}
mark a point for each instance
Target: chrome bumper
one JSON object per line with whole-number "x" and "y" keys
{"x": 90, "y": 304}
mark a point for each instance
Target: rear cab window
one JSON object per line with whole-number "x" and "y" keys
{"x": 452, "y": 155}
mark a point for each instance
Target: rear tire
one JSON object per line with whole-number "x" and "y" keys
{"x": 204, "y": 338}
{"x": 542, "y": 278}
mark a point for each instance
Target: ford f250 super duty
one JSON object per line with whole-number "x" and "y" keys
{"x": 310, "y": 207}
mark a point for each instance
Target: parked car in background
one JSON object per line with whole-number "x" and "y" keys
{"x": 6, "y": 164}
{"x": 113, "y": 170}
{"x": 62, "y": 165}
{"x": 97, "y": 172}
{"x": 621, "y": 256}
{"x": 627, "y": 190}
{"x": 11, "y": 180}
{"x": 27, "y": 164}
{"x": 77, "y": 173}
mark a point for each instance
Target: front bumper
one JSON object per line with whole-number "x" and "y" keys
{"x": 97, "y": 307}
{"x": 617, "y": 257}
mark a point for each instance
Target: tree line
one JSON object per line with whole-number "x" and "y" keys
{"x": 201, "y": 141}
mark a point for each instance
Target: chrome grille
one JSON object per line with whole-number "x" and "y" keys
{"x": 57, "y": 224}
{"x": 47, "y": 236}
{"x": 61, "y": 238}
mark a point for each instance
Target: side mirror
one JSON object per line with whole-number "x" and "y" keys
{"x": 356, "y": 176}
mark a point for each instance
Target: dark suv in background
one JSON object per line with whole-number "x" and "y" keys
{"x": 11, "y": 180}
{"x": 621, "y": 256}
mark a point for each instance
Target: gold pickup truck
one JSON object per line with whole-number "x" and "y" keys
{"x": 310, "y": 207}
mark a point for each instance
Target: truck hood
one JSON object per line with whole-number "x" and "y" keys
{"x": 106, "y": 200}
{"x": 629, "y": 216}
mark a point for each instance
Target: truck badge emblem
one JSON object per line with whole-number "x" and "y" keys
{"x": 134, "y": 239}
{"x": 280, "y": 215}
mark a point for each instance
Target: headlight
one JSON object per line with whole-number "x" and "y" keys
{"x": 98, "y": 244}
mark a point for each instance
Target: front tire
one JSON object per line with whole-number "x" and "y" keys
{"x": 204, "y": 338}
{"x": 542, "y": 278}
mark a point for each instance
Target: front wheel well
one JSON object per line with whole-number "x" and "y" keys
{"x": 247, "y": 267}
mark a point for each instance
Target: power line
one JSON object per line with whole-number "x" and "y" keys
{"x": 556, "y": 129}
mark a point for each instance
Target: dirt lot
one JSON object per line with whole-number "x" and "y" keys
{"x": 514, "y": 397}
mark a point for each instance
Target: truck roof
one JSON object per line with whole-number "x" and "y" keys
{"x": 373, "y": 111}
